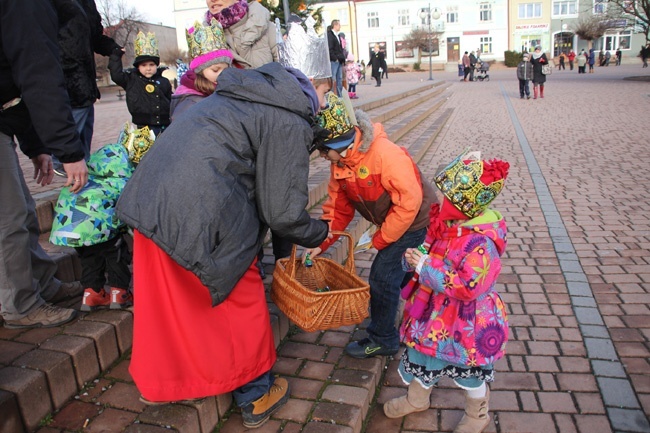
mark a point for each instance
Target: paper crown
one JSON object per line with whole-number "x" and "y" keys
{"x": 471, "y": 184}
{"x": 146, "y": 48}
{"x": 337, "y": 119}
{"x": 305, "y": 51}
{"x": 207, "y": 45}
{"x": 136, "y": 141}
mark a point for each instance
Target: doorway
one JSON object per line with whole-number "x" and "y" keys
{"x": 563, "y": 42}
{"x": 453, "y": 50}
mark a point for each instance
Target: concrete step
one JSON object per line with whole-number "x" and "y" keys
{"x": 42, "y": 369}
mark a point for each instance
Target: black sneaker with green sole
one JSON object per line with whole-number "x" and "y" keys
{"x": 366, "y": 348}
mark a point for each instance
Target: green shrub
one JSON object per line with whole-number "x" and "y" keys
{"x": 416, "y": 66}
{"x": 512, "y": 58}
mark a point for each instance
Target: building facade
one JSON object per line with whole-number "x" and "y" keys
{"x": 488, "y": 27}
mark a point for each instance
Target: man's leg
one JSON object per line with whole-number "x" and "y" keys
{"x": 84, "y": 118}
{"x": 339, "y": 80}
{"x": 25, "y": 268}
{"x": 386, "y": 279}
{"x": 260, "y": 397}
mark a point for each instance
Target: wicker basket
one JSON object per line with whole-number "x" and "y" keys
{"x": 294, "y": 291}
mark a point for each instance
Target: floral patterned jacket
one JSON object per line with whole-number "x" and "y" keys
{"x": 464, "y": 321}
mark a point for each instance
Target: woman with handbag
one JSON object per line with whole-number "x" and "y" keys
{"x": 539, "y": 60}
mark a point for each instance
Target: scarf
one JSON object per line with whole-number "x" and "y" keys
{"x": 537, "y": 55}
{"x": 230, "y": 15}
{"x": 187, "y": 85}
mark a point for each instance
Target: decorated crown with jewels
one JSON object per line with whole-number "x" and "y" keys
{"x": 146, "y": 45}
{"x": 471, "y": 184}
{"x": 205, "y": 39}
{"x": 136, "y": 141}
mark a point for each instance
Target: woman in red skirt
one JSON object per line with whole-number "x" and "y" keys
{"x": 200, "y": 203}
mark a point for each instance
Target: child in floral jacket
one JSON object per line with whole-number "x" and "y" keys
{"x": 455, "y": 323}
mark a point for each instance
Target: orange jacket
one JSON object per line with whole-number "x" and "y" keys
{"x": 378, "y": 179}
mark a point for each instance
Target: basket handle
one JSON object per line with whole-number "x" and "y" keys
{"x": 349, "y": 263}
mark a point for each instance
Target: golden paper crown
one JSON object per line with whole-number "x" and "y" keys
{"x": 136, "y": 141}
{"x": 336, "y": 118}
{"x": 204, "y": 39}
{"x": 461, "y": 183}
{"x": 146, "y": 45}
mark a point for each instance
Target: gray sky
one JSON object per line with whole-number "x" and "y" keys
{"x": 155, "y": 11}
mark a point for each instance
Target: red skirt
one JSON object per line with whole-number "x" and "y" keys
{"x": 183, "y": 348}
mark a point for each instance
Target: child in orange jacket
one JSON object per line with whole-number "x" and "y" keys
{"x": 380, "y": 180}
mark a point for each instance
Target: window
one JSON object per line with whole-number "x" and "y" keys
{"x": 620, "y": 40}
{"x": 452, "y": 14}
{"x": 373, "y": 19}
{"x": 530, "y": 10}
{"x": 600, "y": 6}
{"x": 565, "y": 7}
{"x": 486, "y": 44}
{"x": 403, "y": 18}
{"x": 486, "y": 12}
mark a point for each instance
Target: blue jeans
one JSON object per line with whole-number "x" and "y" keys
{"x": 84, "y": 118}
{"x": 337, "y": 75}
{"x": 386, "y": 278}
{"x": 253, "y": 390}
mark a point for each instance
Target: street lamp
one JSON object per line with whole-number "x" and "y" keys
{"x": 428, "y": 15}
{"x": 392, "y": 41}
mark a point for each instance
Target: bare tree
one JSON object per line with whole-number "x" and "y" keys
{"x": 170, "y": 55}
{"x": 419, "y": 38}
{"x": 301, "y": 8}
{"x": 120, "y": 21}
{"x": 591, "y": 27}
{"x": 636, "y": 10}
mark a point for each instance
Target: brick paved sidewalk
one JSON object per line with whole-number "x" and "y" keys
{"x": 576, "y": 281}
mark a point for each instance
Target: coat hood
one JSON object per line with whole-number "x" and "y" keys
{"x": 270, "y": 85}
{"x": 491, "y": 224}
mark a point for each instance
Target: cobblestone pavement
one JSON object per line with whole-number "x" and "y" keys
{"x": 576, "y": 276}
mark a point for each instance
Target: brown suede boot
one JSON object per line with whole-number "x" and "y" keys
{"x": 476, "y": 416}
{"x": 416, "y": 400}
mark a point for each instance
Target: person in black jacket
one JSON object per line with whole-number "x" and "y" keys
{"x": 337, "y": 55}
{"x": 377, "y": 62}
{"x": 148, "y": 93}
{"x": 35, "y": 108}
{"x": 80, "y": 36}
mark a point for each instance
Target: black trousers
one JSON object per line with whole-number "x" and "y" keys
{"x": 105, "y": 263}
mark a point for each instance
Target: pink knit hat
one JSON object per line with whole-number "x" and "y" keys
{"x": 212, "y": 58}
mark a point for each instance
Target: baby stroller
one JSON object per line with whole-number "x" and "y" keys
{"x": 482, "y": 72}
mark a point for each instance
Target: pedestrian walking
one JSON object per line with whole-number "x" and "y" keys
{"x": 582, "y": 62}
{"x": 378, "y": 179}
{"x": 524, "y": 75}
{"x": 455, "y": 323}
{"x": 376, "y": 61}
{"x": 619, "y": 55}
{"x": 561, "y": 66}
{"x": 466, "y": 66}
{"x": 538, "y": 60}
{"x": 472, "y": 65}
{"x": 591, "y": 60}
{"x": 352, "y": 72}
{"x": 571, "y": 57}
{"x": 608, "y": 57}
